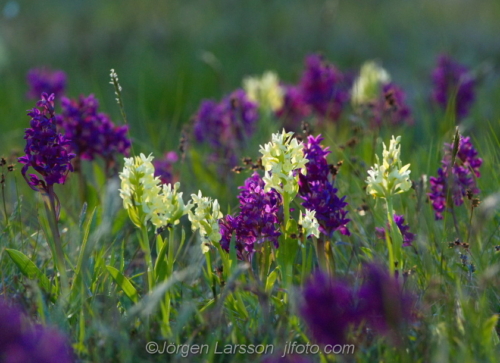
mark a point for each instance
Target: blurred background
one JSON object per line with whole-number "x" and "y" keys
{"x": 169, "y": 55}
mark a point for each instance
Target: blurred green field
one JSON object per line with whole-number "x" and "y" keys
{"x": 171, "y": 54}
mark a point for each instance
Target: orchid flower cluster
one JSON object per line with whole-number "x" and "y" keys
{"x": 226, "y": 125}
{"x": 92, "y": 133}
{"x": 47, "y": 151}
{"x": 205, "y": 219}
{"x": 45, "y": 80}
{"x": 453, "y": 81}
{"x": 389, "y": 177}
{"x": 332, "y": 308}
{"x": 455, "y": 180}
{"x": 382, "y": 100}
{"x": 143, "y": 197}
{"x": 282, "y": 158}
{"x": 265, "y": 91}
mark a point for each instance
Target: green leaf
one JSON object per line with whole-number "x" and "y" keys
{"x": 30, "y": 270}
{"x": 271, "y": 280}
{"x": 124, "y": 283}
{"x": 489, "y": 328}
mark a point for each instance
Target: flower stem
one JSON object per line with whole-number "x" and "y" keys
{"x": 147, "y": 256}
{"x": 395, "y": 242}
{"x": 59, "y": 257}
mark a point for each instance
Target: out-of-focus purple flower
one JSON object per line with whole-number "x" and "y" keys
{"x": 381, "y": 302}
{"x": 92, "y": 133}
{"x": 294, "y": 109}
{"x": 43, "y": 80}
{"x": 163, "y": 167}
{"x": 318, "y": 192}
{"x": 227, "y": 124}
{"x": 22, "y": 342}
{"x": 332, "y": 307}
{"x": 257, "y": 220}
{"x": 390, "y": 108}
{"x": 461, "y": 178}
{"x": 324, "y": 88}
{"x": 47, "y": 151}
{"x": 328, "y": 308}
{"x": 408, "y": 237}
{"x": 452, "y": 79}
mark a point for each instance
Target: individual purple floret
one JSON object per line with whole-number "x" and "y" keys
{"x": 22, "y": 342}
{"x": 324, "y": 88}
{"x": 257, "y": 221}
{"x": 462, "y": 177}
{"x": 332, "y": 307}
{"x": 47, "y": 151}
{"x": 227, "y": 124}
{"x": 318, "y": 192}
{"x": 43, "y": 80}
{"x": 390, "y": 108}
{"x": 92, "y": 133}
{"x": 453, "y": 80}
{"x": 408, "y": 237}
{"x": 294, "y": 109}
{"x": 163, "y": 167}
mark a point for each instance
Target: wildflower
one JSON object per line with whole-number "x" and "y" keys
{"x": 47, "y": 151}
{"x": 389, "y": 178}
{"x": 170, "y": 206}
{"x": 332, "y": 308}
{"x": 455, "y": 179}
{"x": 92, "y": 133}
{"x": 453, "y": 80}
{"x": 319, "y": 193}
{"x": 367, "y": 87}
{"x": 226, "y": 125}
{"x": 309, "y": 223}
{"x": 328, "y": 309}
{"x": 324, "y": 88}
{"x": 294, "y": 108}
{"x": 408, "y": 237}
{"x": 257, "y": 220}
{"x": 163, "y": 167}
{"x": 265, "y": 91}
{"x": 280, "y": 159}
{"x": 24, "y": 342}
{"x": 390, "y": 107}
{"x": 44, "y": 80}
{"x": 206, "y": 219}
{"x": 139, "y": 189}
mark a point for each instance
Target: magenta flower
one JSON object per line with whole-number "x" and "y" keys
{"x": 390, "y": 108}
{"x": 332, "y": 307}
{"x": 452, "y": 79}
{"x": 92, "y": 133}
{"x": 257, "y": 221}
{"x": 47, "y": 151}
{"x": 164, "y": 167}
{"x": 455, "y": 179}
{"x": 43, "y": 80}
{"x": 22, "y": 342}
{"x": 226, "y": 125}
{"x": 318, "y": 192}
{"x": 295, "y": 109}
{"x": 324, "y": 88}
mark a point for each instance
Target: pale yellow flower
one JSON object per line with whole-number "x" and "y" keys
{"x": 367, "y": 86}
{"x": 280, "y": 158}
{"x": 389, "y": 178}
{"x": 265, "y": 91}
{"x": 205, "y": 218}
{"x": 309, "y": 223}
{"x": 170, "y": 206}
{"x": 139, "y": 188}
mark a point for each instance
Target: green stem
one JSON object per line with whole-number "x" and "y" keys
{"x": 147, "y": 257}
{"x": 395, "y": 242}
{"x": 59, "y": 253}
